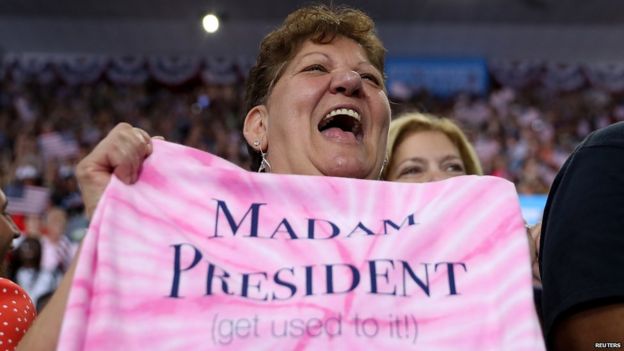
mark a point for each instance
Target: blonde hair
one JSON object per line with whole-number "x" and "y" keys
{"x": 320, "y": 24}
{"x": 409, "y": 123}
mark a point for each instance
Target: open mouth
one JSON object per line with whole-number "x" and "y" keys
{"x": 343, "y": 124}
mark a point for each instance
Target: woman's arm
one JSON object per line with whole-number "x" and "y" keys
{"x": 121, "y": 153}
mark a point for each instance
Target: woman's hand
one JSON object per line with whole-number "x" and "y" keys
{"x": 534, "y": 233}
{"x": 121, "y": 153}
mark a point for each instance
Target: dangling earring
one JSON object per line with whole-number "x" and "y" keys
{"x": 265, "y": 166}
{"x": 383, "y": 166}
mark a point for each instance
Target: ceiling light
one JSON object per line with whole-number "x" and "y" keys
{"x": 210, "y": 22}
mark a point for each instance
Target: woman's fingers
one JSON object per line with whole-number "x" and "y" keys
{"x": 121, "y": 153}
{"x": 145, "y": 139}
{"x": 129, "y": 147}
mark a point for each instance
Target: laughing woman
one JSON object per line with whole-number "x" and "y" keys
{"x": 316, "y": 105}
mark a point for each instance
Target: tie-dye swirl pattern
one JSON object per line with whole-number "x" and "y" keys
{"x": 439, "y": 266}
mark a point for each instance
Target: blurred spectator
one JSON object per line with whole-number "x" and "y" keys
{"x": 25, "y": 269}
{"x": 57, "y": 249}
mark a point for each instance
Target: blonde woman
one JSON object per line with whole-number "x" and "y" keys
{"x": 425, "y": 148}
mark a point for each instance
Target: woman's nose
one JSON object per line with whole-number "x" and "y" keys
{"x": 438, "y": 175}
{"x": 346, "y": 82}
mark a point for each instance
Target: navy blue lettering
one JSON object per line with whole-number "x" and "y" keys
{"x": 361, "y": 227}
{"x": 372, "y": 266}
{"x": 177, "y": 269}
{"x": 234, "y": 227}
{"x": 288, "y": 230}
{"x": 312, "y": 226}
{"x": 222, "y": 277}
{"x": 451, "y": 274}
{"x": 423, "y": 285}
{"x": 410, "y": 221}
{"x": 246, "y": 285}
{"x": 308, "y": 280}
{"x": 329, "y": 271}
{"x": 278, "y": 280}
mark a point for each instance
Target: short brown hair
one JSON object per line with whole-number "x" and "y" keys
{"x": 409, "y": 123}
{"x": 318, "y": 23}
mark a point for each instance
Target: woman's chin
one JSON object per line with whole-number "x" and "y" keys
{"x": 347, "y": 168}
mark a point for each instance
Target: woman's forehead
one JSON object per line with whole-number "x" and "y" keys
{"x": 339, "y": 46}
{"x": 426, "y": 137}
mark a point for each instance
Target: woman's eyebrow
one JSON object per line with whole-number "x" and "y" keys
{"x": 450, "y": 157}
{"x": 312, "y": 53}
{"x": 415, "y": 159}
{"x": 368, "y": 64}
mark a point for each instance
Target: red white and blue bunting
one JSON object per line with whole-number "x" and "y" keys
{"x": 244, "y": 64}
{"x": 220, "y": 71}
{"x": 76, "y": 70}
{"x": 173, "y": 71}
{"x": 127, "y": 70}
{"x": 132, "y": 70}
{"x": 515, "y": 74}
{"x": 606, "y": 76}
{"x": 562, "y": 77}
{"x": 37, "y": 68}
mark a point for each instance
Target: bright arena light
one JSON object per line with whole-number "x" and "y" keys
{"x": 210, "y": 23}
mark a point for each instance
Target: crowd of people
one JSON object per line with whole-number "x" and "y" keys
{"x": 45, "y": 129}
{"x": 523, "y": 135}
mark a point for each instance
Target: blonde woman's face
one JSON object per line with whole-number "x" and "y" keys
{"x": 425, "y": 156}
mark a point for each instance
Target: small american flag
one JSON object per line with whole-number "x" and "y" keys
{"x": 55, "y": 145}
{"x": 31, "y": 200}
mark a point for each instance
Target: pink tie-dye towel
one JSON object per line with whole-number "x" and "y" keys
{"x": 202, "y": 255}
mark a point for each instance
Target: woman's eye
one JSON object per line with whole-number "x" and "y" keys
{"x": 410, "y": 171}
{"x": 455, "y": 168}
{"x": 371, "y": 77}
{"x": 315, "y": 67}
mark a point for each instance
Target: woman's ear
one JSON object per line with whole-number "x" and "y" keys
{"x": 256, "y": 126}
